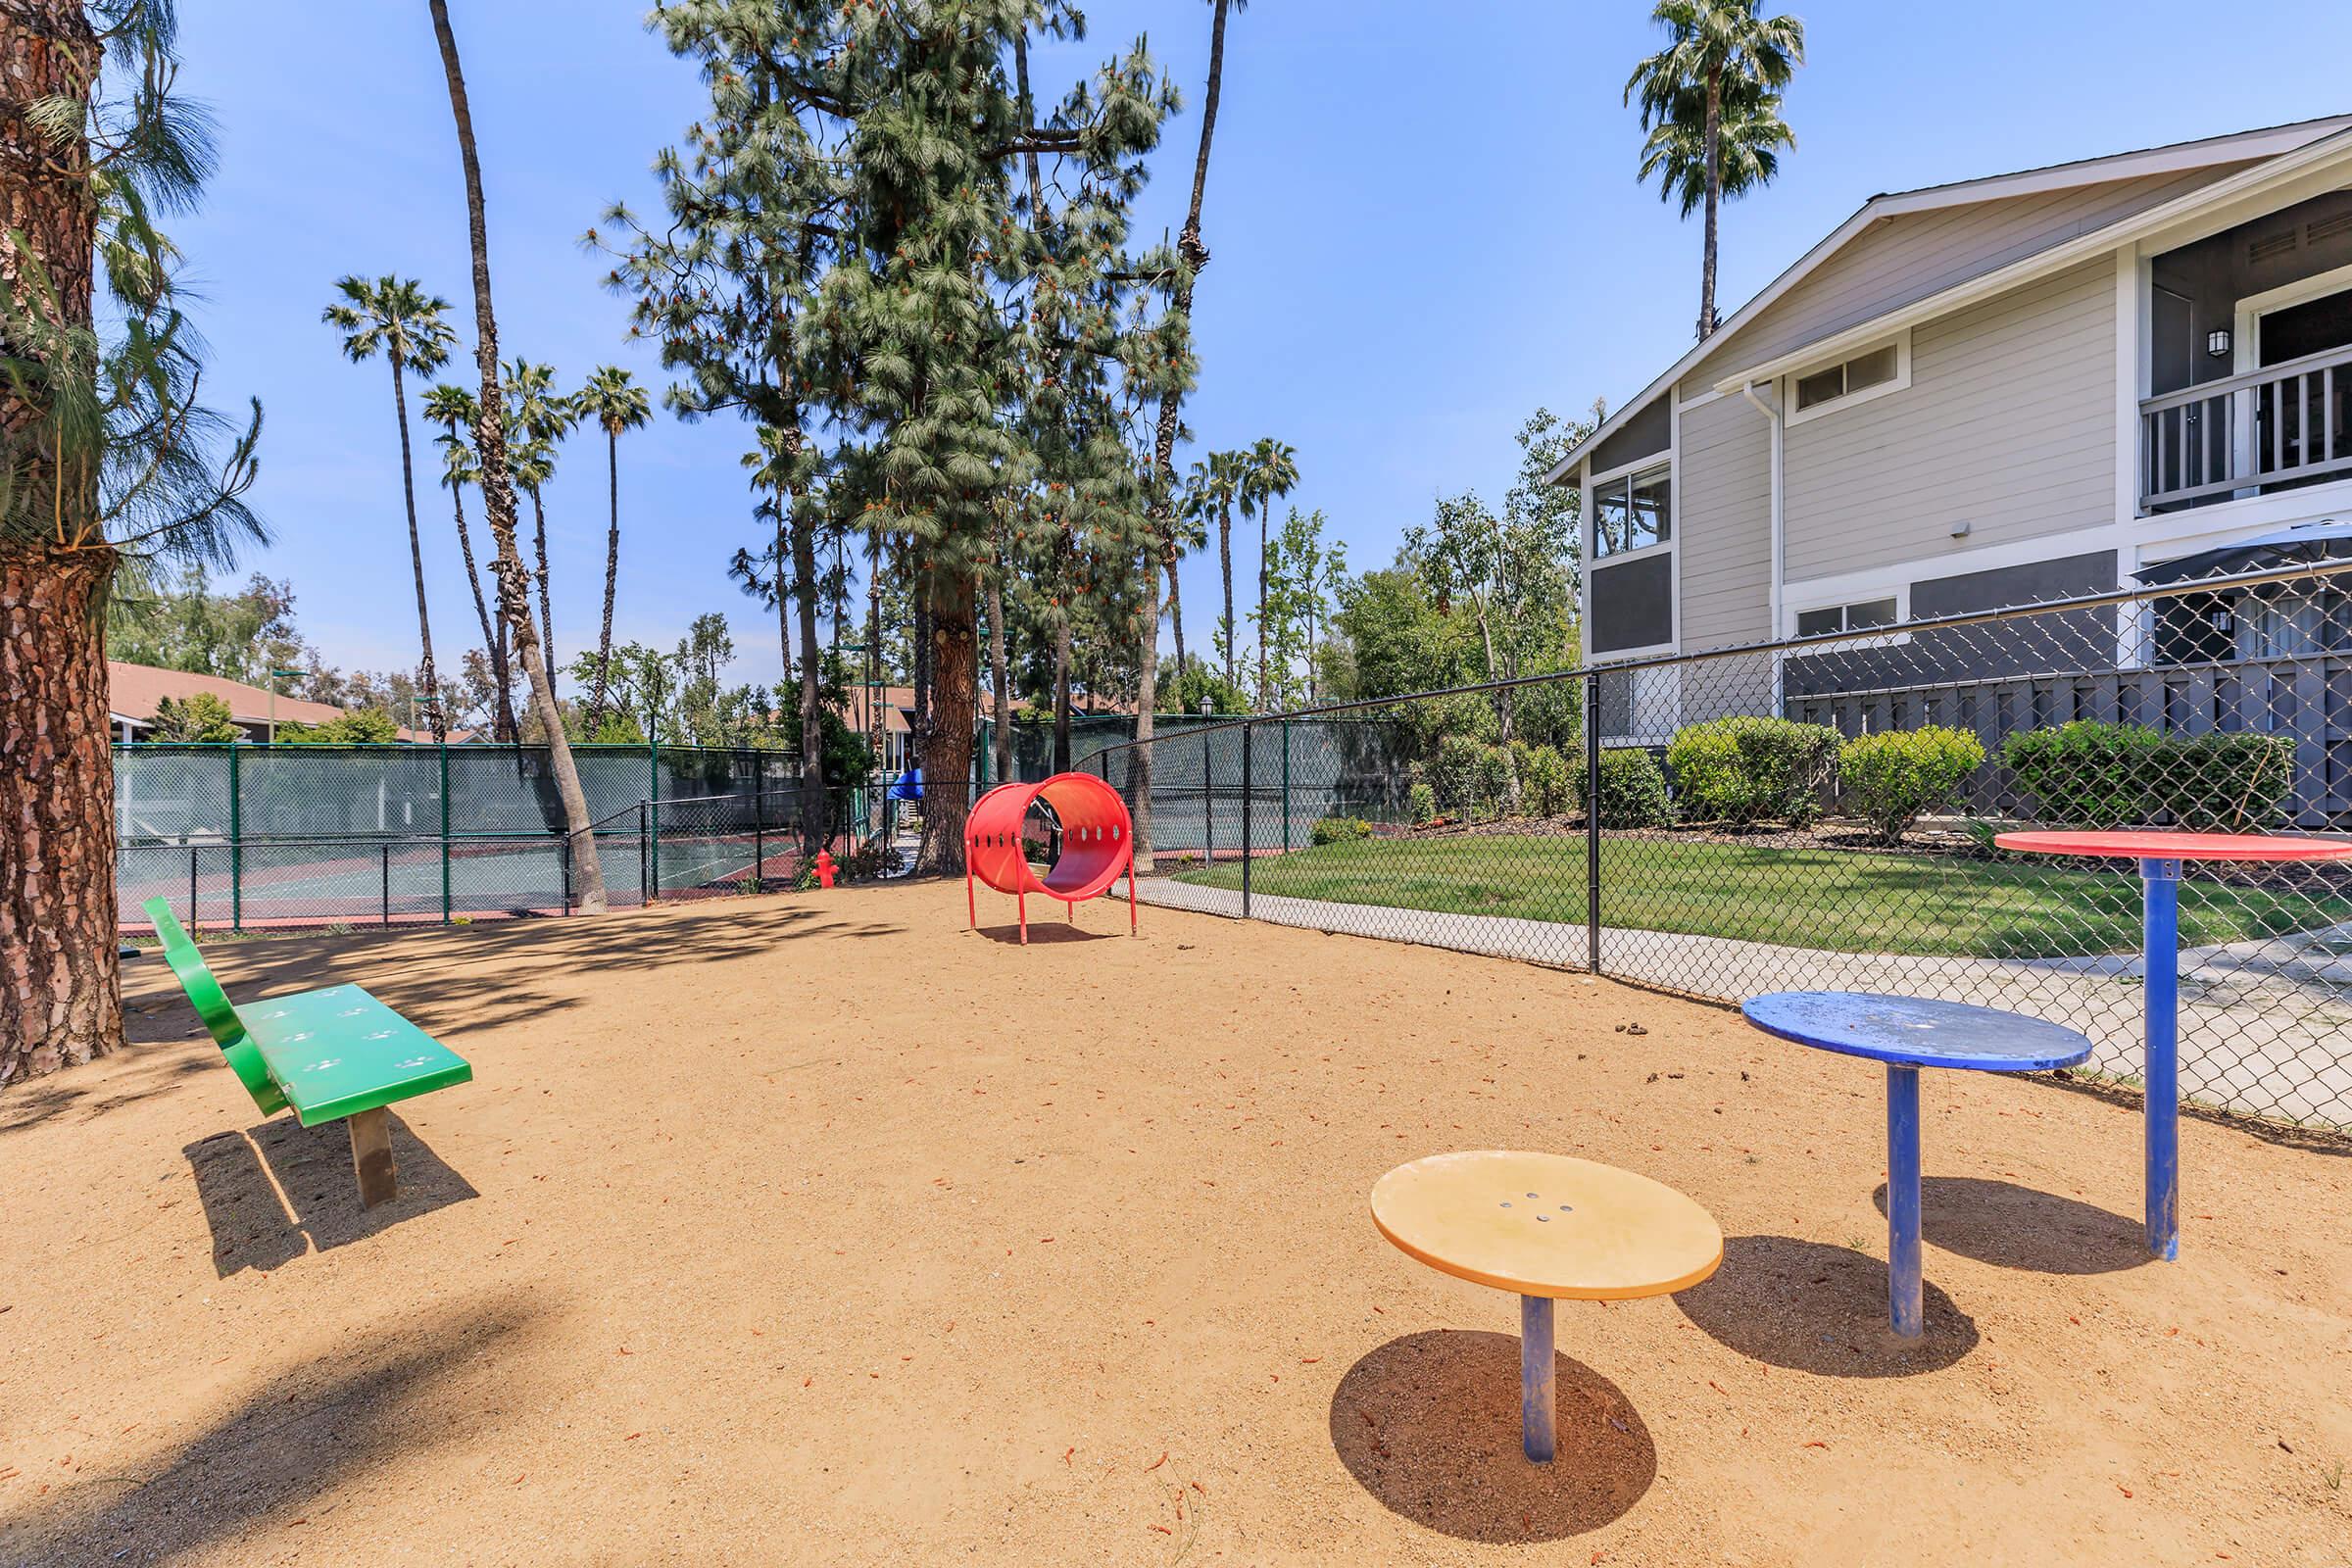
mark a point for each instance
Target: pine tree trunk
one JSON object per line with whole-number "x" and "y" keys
{"x": 816, "y": 826}
{"x": 1000, "y": 678}
{"x": 603, "y": 637}
{"x": 946, "y": 743}
{"x": 498, "y": 494}
{"x": 1714, "y": 155}
{"x": 61, "y": 998}
{"x": 783, "y": 555}
{"x": 1061, "y": 695}
{"x": 433, "y": 719}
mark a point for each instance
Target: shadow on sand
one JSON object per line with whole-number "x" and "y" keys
{"x": 277, "y": 1191}
{"x": 1813, "y": 1307}
{"x": 2009, "y": 1226}
{"x": 1429, "y": 1424}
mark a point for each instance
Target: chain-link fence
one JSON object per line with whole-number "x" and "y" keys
{"x": 248, "y": 838}
{"x": 1821, "y": 813}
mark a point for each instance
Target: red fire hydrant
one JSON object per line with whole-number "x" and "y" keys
{"x": 826, "y": 870}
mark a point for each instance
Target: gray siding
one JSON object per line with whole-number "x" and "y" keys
{"x": 1908, "y": 257}
{"x": 2008, "y": 424}
{"x": 1650, "y": 430}
{"x": 1724, "y": 519}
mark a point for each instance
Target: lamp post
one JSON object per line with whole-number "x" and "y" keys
{"x": 277, "y": 676}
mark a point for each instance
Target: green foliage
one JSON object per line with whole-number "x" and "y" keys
{"x": 1453, "y": 774}
{"x": 2095, "y": 775}
{"x": 1339, "y": 830}
{"x": 1545, "y": 781}
{"x": 1182, "y": 691}
{"x": 1891, "y": 778}
{"x": 1745, "y": 769}
{"x": 1632, "y": 790}
{"x": 184, "y": 624}
{"x": 1496, "y": 782}
{"x": 366, "y": 726}
{"x": 1422, "y": 800}
{"x": 203, "y": 719}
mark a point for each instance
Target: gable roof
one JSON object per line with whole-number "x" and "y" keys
{"x": 133, "y": 692}
{"x": 2260, "y": 148}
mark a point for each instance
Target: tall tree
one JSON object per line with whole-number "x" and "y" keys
{"x": 615, "y": 403}
{"x": 542, "y": 417}
{"x": 1748, "y": 141}
{"x": 396, "y": 317}
{"x": 497, "y": 491}
{"x": 1270, "y": 472}
{"x": 455, "y": 409}
{"x": 1188, "y": 531}
{"x": 1716, "y": 50}
{"x": 1212, "y": 491}
{"x": 105, "y": 455}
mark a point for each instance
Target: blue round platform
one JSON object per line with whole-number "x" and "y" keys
{"x": 1913, "y": 1032}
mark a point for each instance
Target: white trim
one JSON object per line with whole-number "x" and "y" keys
{"x": 2246, "y": 337}
{"x": 2268, "y": 146}
{"x": 1891, "y": 637}
{"x": 1642, "y": 553}
{"x": 1655, "y": 460}
{"x": 1674, "y": 518}
{"x": 2056, "y": 259}
{"x": 1701, "y": 400}
{"x": 1901, "y": 382}
{"x": 2133, "y": 335}
{"x": 1651, "y": 465}
{"x": 1616, "y": 656}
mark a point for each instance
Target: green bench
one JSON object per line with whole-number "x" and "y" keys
{"x": 336, "y": 1054}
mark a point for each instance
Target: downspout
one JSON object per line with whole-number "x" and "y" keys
{"x": 1747, "y": 390}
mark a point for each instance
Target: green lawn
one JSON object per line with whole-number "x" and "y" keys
{"x": 1843, "y": 901}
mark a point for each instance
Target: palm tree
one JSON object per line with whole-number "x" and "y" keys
{"x": 1749, "y": 144}
{"x": 453, "y": 408}
{"x": 497, "y": 491}
{"x": 1188, "y": 531}
{"x": 617, "y": 403}
{"x": 396, "y": 317}
{"x": 541, "y": 420}
{"x": 1718, "y": 52}
{"x": 1213, "y": 488}
{"x": 1269, "y": 472}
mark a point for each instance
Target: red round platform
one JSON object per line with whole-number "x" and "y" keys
{"x": 2149, "y": 844}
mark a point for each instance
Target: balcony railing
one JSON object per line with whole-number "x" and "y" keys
{"x": 2284, "y": 424}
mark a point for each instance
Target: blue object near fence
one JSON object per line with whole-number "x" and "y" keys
{"x": 909, "y": 786}
{"x": 1908, "y": 1033}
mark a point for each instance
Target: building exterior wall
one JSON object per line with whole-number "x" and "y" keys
{"x": 1724, "y": 521}
{"x": 2008, "y": 426}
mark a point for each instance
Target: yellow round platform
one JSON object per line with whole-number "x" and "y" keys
{"x": 1546, "y": 1225}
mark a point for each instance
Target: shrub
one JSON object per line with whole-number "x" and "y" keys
{"x": 1424, "y": 804}
{"x": 1545, "y": 781}
{"x": 1339, "y": 830}
{"x": 1633, "y": 792}
{"x": 2089, "y": 774}
{"x": 1895, "y": 776}
{"x": 1453, "y": 774}
{"x": 1496, "y": 782}
{"x": 1743, "y": 770}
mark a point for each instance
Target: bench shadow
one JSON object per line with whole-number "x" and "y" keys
{"x": 1429, "y": 1425}
{"x": 247, "y": 1180}
{"x": 2010, "y": 1226}
{"x": 1813, "y": 1307}
{"x": 304, "y": 1435}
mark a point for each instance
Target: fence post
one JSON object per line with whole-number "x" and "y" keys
{"x": 645, "y": 887}
{"x": 1249, "y": 735}
{"x": 387, "y": 852}
{"x": 653, "y": 807}
{"x": 1208, "y": 807}
{"x": 192, "y": 852}
{"x": 445, "y": 903}
{"x": 236, "y": 843}
{"x": 1593, "y": 821}
{"x": 564, "y": 859}
{"x": 759, "y": 835}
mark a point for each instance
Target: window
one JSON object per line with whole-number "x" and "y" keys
{"x": 1632, "y": 512}
{"x": 1884, "y": 369}
{"x": 1861, "y": 616}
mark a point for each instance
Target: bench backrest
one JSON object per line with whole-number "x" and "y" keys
{"x": 212, "y": 1005}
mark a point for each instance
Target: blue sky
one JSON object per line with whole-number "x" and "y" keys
{"x": 1422, "y": 231}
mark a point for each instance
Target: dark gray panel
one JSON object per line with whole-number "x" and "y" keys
{"x": 1633, "y": 603}
{"x": 1652, "y": 430}
{"x": 2066, "y": 642}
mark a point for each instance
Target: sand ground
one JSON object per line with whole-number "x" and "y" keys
{"x": 818, "y": 1230}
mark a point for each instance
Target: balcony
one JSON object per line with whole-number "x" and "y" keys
{"x": 2283, "y": 425}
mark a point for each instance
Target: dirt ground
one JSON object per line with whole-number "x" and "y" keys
{"x": 818, "y": 1230}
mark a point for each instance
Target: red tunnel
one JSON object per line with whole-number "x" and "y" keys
{"x": 1097, "y": 844}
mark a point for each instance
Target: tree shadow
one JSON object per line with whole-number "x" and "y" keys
{"x": 1429, "y": 1425}
{"x": 2017, "y": 1227}
{"x": 272, "y": 1192}
{"x": 1813, "y": 1307}
{"x": 298, "y": 1437}
{"x": 90, "y": 1094}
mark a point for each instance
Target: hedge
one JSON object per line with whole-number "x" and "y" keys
{"x": 1743, "y": 770}
{"x": 1891, "y": 777}
{"x": 1339, "y": 830}
{"x": 1633, "y": 792}
{"x": 2096, "y": 775}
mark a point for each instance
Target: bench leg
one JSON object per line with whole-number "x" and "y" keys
{"x": 1537, "y": 1379}
{"x": 1903, "y": 1287}
{"x": 371, "y": 1155}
